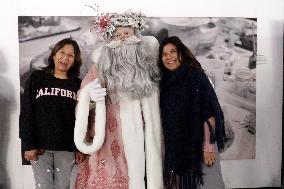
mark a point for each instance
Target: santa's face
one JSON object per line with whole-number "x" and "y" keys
{"x": 123, "y": 35}
{"x": 123, "y": 32}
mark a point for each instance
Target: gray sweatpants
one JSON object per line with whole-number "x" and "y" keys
{"x": 52, "y": 170}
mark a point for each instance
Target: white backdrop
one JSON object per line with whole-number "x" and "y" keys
{"x": 263, "y": 171}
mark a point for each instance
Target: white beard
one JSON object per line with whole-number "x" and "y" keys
{"x": 127, "y": 66}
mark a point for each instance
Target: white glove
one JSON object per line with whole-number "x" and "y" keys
{"x": 97, "y": 93}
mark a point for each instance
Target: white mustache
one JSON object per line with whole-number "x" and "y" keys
{"x": 132, "y": 40}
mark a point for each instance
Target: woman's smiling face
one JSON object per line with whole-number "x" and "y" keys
{"x": 170, "y": 57}
{"x": 64, "y": 59}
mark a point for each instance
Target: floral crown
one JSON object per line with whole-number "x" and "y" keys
{"x": 105, "y": 24}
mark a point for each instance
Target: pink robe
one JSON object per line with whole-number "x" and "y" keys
{"x": 107, "y": 168}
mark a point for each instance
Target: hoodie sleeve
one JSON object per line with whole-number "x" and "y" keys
{"x": 27, "y": 115}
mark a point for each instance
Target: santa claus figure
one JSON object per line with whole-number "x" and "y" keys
{"x": 117, "y": 115}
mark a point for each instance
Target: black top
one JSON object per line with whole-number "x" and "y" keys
{"x": 187, "y": 100}
{"x": 47, "y": 115}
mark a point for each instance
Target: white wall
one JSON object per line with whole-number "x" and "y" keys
{"x": 263, "y": 171}
{"x": 9, "y": 105}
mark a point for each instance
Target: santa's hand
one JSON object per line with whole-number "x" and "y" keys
{"x": 97, "y": 93}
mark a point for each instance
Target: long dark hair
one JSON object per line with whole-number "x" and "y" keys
{"x": 182, "y": 51}
{"x": 74, "y": 71}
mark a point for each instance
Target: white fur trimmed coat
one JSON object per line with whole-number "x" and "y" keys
{"x": 127, "y": 144}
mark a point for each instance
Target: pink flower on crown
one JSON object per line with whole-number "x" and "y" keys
{"x": 104, "y": 22}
